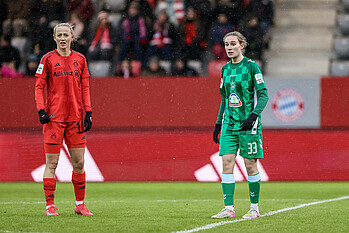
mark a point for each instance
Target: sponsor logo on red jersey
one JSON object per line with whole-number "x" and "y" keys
{"x": 62, "y": 73}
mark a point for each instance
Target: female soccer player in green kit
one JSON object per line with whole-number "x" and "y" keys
{"x": 240, "y": 118}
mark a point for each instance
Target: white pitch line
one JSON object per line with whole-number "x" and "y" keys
{"x": 112, "y": 201}
{"x": 117, "y": 201}
{"x": 213, "y": 225}
{"x": 21, "y": 231}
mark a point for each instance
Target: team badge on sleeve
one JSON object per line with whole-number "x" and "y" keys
{"x": 40, "y": 69}
{"x": 259, "y": 78}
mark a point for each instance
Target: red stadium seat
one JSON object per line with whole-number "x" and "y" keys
{"x": 215, "y": 68}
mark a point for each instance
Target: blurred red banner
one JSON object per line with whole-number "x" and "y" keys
{"x": 290, "y": 155}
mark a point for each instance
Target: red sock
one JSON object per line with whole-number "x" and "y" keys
{"x": 79, "y": 182}
{"x": 49, "y": 189}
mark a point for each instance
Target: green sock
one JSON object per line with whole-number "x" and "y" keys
{"x": 228, "y": 194}
{"x": 228, "y": 187}
{"x": 254, "y": 184}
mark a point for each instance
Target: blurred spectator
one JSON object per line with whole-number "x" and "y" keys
{"x": 40, "y": 32}
{"x": 174, "y": 9}
{"x": 264, "y": 10}
{"x": 231, "y": 8}
{"x": 124, "y": 70}
{"x": 9, "y": 53}
{"x": 31, "y": 65}
{"x": 254, "y": 34}
{"x": 9, "y": 70}
{"x": 204, "y": 9}
{"x": 219, "y": 28}
{"x": 84, "y": 8}
{"x": 52, "y": 10}
{"x": 18, "y": 18}
{"x": 192, "y": 36}
{"x": 37, "y": 51}
{"x": 80, "y": 43}
{"x": 164, "y": 38}
{"x": 205, "y": 13}
{"x": 144, "y": 10}
{"x": 102, "y": 46}
{"x": 133, "y": 34}
{"x": 3, "y": 14}
{"x": 153, "y": 69}
{"x": 180, "y": 68}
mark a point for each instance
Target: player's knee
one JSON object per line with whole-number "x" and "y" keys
{"x": 52, "y": 165}
{"x": 78, "y": 164}
{"x": 228, "y": 169}
{"x": 251, "y": 169}
{"x": 228, "y": 166}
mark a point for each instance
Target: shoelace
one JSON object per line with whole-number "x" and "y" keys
{"x": 224, "y": 210}
{"x": 84, "y": 208}
{"x": 52, "y": 208}
{"x": 250, "y": 212}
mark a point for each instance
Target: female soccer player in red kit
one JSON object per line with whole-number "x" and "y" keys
{"x": 66, "y": 76}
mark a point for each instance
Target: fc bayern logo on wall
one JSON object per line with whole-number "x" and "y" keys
{"x": 287, "y": 105}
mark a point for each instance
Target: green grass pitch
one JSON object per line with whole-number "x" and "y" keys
{"x": 174, "y": 206}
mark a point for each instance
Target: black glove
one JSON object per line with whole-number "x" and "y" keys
{"x": 43, "y": 116}
{"x": 216, "y": 131}
{"x": 249, "y": 122}
{"x": 88, "y": 121}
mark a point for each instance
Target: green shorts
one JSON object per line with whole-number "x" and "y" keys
{"x": 250, "y": 145}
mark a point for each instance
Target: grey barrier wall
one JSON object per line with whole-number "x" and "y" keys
{"x": 293, "y": 103}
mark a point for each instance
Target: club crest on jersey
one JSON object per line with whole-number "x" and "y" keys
{"x": 232, "y": 85}
{"x": 76, "y": 73}
{"x": 234, "y": 101}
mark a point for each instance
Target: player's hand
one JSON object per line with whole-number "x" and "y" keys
{"x": 43, "y": 116}
{"x": 216, "y": 131}
{"x": 249, "y": 122}
{"x": 88, "y": 121}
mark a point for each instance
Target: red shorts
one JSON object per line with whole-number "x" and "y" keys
{"x": 72, "y": 133}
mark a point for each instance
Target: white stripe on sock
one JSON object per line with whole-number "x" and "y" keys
{"x": 228, "y": 178}
{"x": 254, "y": 178}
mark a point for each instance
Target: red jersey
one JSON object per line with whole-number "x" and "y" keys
{"x": 68, "y": 90}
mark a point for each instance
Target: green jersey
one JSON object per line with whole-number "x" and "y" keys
{"x": 238, "y": 85}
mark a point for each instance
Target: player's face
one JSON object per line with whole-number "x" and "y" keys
{"x": 232, "y": 46}
{"x": 63, "y": 37}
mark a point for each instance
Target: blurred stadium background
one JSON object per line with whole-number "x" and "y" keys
{"x": 161, "y": 127}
